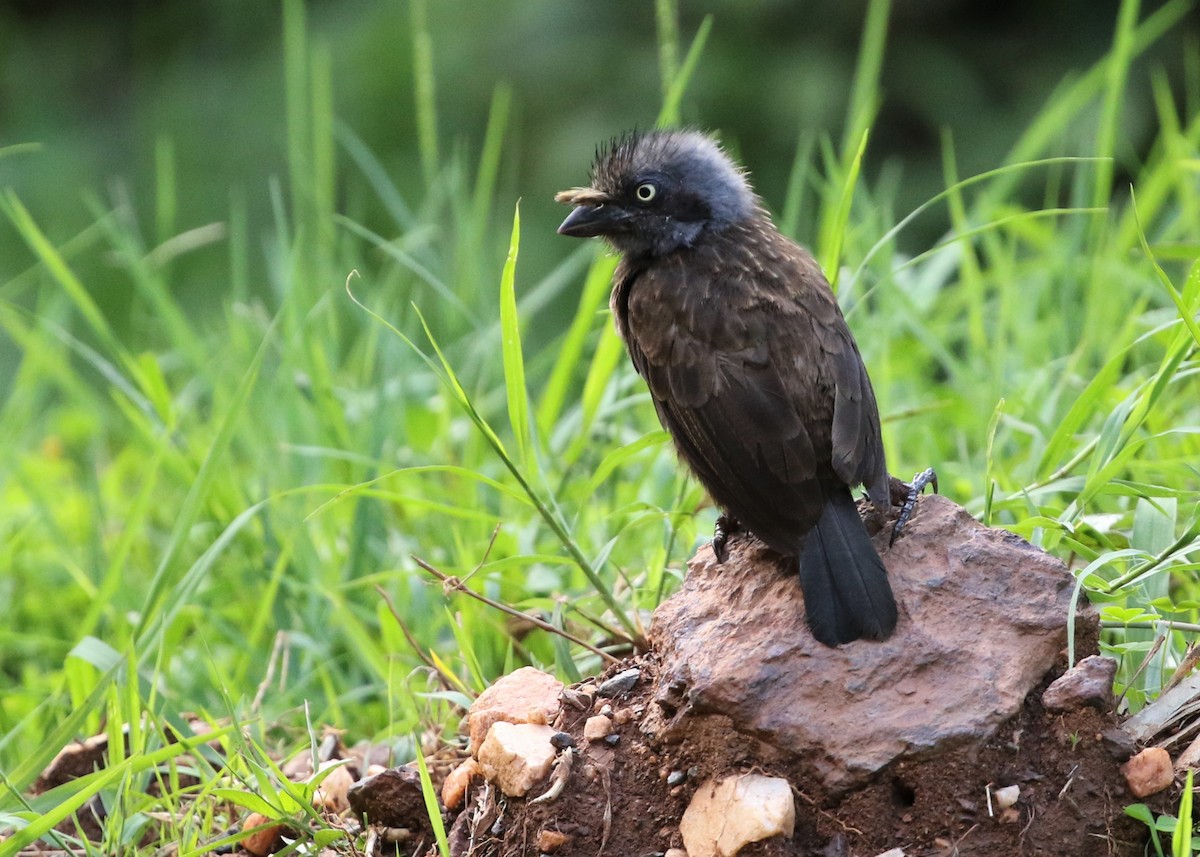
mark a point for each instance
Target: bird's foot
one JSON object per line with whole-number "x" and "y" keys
{"x": 926, "y": 477}
{"x": 726, "y": 526}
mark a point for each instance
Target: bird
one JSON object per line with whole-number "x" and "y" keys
{"x": 751, "y": 366}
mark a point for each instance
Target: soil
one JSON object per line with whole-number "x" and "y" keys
{"x": 1071, "y": 792}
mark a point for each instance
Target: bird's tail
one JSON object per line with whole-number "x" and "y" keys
{"x": 846, "y": 591}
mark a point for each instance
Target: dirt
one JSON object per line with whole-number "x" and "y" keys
{"x": 1071, "y": 792}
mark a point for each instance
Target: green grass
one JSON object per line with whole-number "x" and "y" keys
{"x": 200, "y": 517}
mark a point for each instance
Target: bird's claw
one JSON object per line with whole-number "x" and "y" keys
{"x": 726, "y": 526}
{"x": 926, "y": 477}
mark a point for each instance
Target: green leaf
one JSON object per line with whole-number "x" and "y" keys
{"x": 247, "y": 800}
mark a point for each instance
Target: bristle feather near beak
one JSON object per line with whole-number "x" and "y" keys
{"x": 582, "y": 196}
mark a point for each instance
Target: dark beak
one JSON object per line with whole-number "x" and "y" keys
{"x": 588, "y": 221}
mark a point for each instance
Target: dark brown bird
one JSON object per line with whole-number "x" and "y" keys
{"x": 751, "y": 366}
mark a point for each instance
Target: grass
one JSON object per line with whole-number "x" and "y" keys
{"x": 201, "y": 516}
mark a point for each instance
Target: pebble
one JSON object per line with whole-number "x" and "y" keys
{"x": 726, "y": 815}
{"x": 622, "y": 682}
{"x": 549, "y": 841}
{"x": 597, "y": 727}
{"x": 1006, "y": 797}
{"x": 516, "y": 756}
{"x": 1089, "y": 682}
{"x": 454, "y": 788}
{"x": 1149, "y": 772}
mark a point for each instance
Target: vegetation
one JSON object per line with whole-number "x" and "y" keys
{"x": 222, "y": 512}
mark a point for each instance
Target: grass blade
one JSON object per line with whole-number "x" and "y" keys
{"x": 510, "y": 339}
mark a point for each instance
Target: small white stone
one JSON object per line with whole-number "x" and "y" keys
{"x": 893, "y": 852}
{"x": 727, "y": 815}
{"x": 1005, "y": 797}
{"x": 597, "y": 728}
{"x": 516, "y": 756}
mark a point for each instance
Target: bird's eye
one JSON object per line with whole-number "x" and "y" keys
{"x": 646, "y": 192}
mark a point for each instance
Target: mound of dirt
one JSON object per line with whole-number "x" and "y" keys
{"x": 629, "y": 795}
{"x": 904, "y": 744}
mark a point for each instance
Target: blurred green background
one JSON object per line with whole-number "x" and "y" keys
{"x": 100, "y": 85}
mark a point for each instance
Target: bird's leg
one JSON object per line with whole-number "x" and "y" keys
{"x": 726, "y": 526}
{"x": 926, "y": 477}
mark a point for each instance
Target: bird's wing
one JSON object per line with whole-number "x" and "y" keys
{"x": 724, "y": 381}
{"x": 857, "y": 444}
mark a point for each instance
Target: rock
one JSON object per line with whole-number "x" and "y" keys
{"x": 733, "y": 641}
{"x": 1089, "y": 682}
{"x": 1149, "y": 772}
{"x": 454, "y": 787}
{"x": 262, "y": 842}
{"x": 333, "y": 793}
{"x": 516, "y": 756}
{"x": 549, "y": 841}
{"x": 597, "y": 727}
{"x": 1119, "y": 743}
{"x": 622, "y": 682}
{"x": 1006, "y": 797}
{"x": 527, "y": 695}
{"x": 675, "y": 852}
{"x": 727, "y": 815}
{"x": 77, "y": 759}
{"x": 392, "y": 798}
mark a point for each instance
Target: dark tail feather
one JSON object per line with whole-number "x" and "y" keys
{"x": 846, "y": 590}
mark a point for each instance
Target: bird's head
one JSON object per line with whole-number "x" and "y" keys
{"x": 653, "y": 193}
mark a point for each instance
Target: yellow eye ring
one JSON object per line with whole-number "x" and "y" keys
{"x": 646, "y": 192}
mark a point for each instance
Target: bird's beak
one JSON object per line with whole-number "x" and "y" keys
{"x": 592, "y": 215}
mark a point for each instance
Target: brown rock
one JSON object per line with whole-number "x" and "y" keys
{"x": 333, "y": 793}
{"x": 262, "y": 842}
{"x": 597, "y": 728}
{"x": 392, "y": 798}
{"x": 1149, "y": 772}
{"x": 77, "y": 759}
{"x": 516, "y": 756}
{"x": 1089, "y": 682}
{"x": 527, "y": 695}
{"x": 454, "y": 788}
{"x": 982, "y": 619}
{"x": 549, "y": 841}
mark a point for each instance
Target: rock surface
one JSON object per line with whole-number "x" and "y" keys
{"x": 1089, "y": 682}
{"x": 516, "y": 756}
{"x": 527, "y": 695}
{"x": 454, "y": 787}
{"x": 725, "y": 816}
{"x": 597, "y": 728}
{"x": 391, "y": 798}
{"x": 982, "y": 619}
{"x": 1149, "y": 772}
